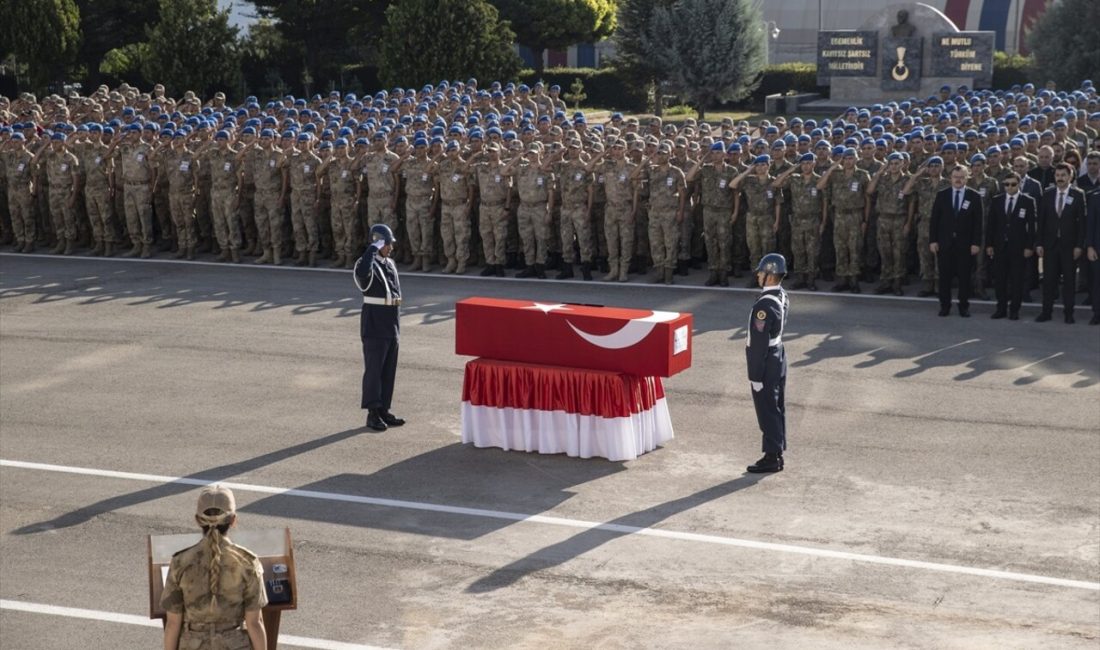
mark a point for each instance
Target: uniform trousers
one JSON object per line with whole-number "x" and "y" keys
{"x": 379, "y": 372}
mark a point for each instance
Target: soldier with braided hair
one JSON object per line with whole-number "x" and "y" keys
{"x": 214, "y": 591}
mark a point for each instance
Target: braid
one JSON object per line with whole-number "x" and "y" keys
{"x": 214, "y": 524}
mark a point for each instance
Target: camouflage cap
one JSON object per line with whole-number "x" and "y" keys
{"x": 216, "y": 497}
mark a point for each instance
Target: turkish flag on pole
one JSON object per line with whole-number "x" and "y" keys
{"x": 555, "y": 410}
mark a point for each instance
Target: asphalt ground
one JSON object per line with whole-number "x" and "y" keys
{"x": 941, "y": 486}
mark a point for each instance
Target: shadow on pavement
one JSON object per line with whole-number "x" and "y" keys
{"x": 221, "y": 473}
{"x": 455, "y": 476}
{"x": 592, "y": 538}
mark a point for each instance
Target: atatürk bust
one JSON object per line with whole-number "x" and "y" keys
{"x": 903, "y": 29}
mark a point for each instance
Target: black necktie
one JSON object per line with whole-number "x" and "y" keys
{"x": 1011, "y": 204}
{"x": 958, "y": 201}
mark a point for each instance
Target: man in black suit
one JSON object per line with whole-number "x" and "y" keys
{"x": 1061, "y": 239}
{"x": 1092, "y": 242}
{"x": 1010, "y": 233}
{"x": 955, "y": 236}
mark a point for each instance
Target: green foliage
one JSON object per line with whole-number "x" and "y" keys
{"x": 124, "y": 62}
{"x": 1065, "y": 48}
{"x": 1010, "y": 69}
{"x": 324, "y": 36}
{"x": 604, "y": 87}
{"x": 108, "y": 25}
{"x": 44, "y": 35}
{"x": 576, "y": 93}
{"x": 555, "y": 24}
{"x": 709, "y": 51}
{"x": 632, "y": 57}
{"x": 424, "y": 41}
{"x": 193, "y": 47}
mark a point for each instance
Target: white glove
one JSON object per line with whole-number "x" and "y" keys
{"x": 757, "y": 386}
{"x": 378, "y": 244}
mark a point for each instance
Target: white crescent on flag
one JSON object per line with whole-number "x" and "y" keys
{"x": 630, "y": 334}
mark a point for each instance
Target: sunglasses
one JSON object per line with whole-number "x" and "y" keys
{"x": 1011, "y": 184}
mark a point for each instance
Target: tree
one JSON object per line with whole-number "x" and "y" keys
{"x": 326, "y": 36}
{"x": 453, "y": 39}
{"x": 632, "y": 57}
{"x": 1065, "y": 50}
{"x": 193, "y": 47}
{"x": 109, "y": 25}
{"x": 710, "y": 51}
{"x": 44, "y": 35}
{"x": 554, "y": 24}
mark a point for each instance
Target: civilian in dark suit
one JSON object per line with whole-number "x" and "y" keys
{"x": 955, "y": 236}
{"x": 1090, "y": 180}
{"x": 1061, "y": 239}
{"x": 1044, "y": 171}
{"x": 1092, "y": 242}
{"x": 1032, "y": 188}
{"x": 1011, "y": 241}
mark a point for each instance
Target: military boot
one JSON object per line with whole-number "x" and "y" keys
{"x": 540, "y": 271}
{"x": 771, "y": 462}
{"x": 276, "y": 260}
{"x": 488, "y": 271}
{"x": 451, "y": 265}
{"x": 712, "y": 279}
{"x": 70, "y": 247}
{"x": 235, "y": 255}
{"x": 811, "y": 284}
{"x": 897, "y": 288}
{"x": 349, "y": 262}
{"x": 265, "y": 258}
{"x": 586, "y": 271}
{"x": 338, "y": 263}
{"x": 842, "y": 285}
{"x": 658, "y": 277}
{"x": 565, "y": 273}
{"x": 723, "y": 278}
{"x": 612, "y": 273}
{"x": 108, "y": 249}
{"x": 528, "y": 272}
{"x": 800, "y": 283}
{"x": 668, "y": 275}
{"x": 180, "y": 253}
{"x": 29, "y": 246}
{"x": 311, "y": 259}
{"x": 460, "y": 268}
{"x": 300, "y": 259}
{"x": 682, "y": 267}
{"x": 98, "y": 250}
{"x": 854, "y": 282}
{"x": 134, "y": 252}
{"x": 146, "y": 251}
{"x": 883, "y": 288}
{"x": 624, "y": 271}
{"x": 223, "y": 256}
{"x": 426, "y": 263}
{"x": 60, "y": 248}
{"x": 191, "y": 252}
{"x": 929, "y": 289}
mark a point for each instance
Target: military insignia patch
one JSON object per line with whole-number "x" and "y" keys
{"x": 762, "y": 315}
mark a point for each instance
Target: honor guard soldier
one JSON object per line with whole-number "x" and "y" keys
{"x": 379, "y": 326}
{"x": 214, "y": 592}
{"x": 767, "y": 362}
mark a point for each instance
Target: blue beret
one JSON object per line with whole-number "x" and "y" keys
{"x": 935, "y": 160}
{"x": 341, "y": 142}
{"x": 60, "y": 137}
{"x": 379, "y": 135}
{"x": 735, "y": 147}
{"x": 166, "y": 133}
{"x": 807, "y": 158}
{"x": 718, "y": 146}
{"x": 895, "y": 156}
{"x": 977, "y": 158}
{"x": 420, "y": 142}
{"x": 288, "y": 133}
{"x": 304, "y": 137}
{"x": 267, "y": 133}
{"x": 221, "y": 135}
{"x": 324, "y": 146}
{"x": 18, "y": 137}
{"x": 848, "y": 151}
{"x": 361, "y": 142}
{"x": 779, "y": 144}
{"x": 949, "y": 146}
{"x": 763, "y": 159}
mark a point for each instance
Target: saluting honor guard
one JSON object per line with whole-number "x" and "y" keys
{"x": 379, "y": 326}
{"x": 767, "y": 362}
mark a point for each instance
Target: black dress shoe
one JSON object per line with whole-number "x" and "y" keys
{"x": 1043, "y": 317}
{"x": 1095, "y": 320}
{"x": 390, "y": 419}
{"x": 768, "y": 463}
{"x": 1069, "y": 319}
{"x": 945, "y": 311}
{"x": 1014, "y": 316}
{"x": 375, "y": 422}
{"x": 964, "y": 312}
{"x": 1000, "y": 313}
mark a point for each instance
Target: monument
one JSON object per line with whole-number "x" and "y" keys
{"x": 905, "y": 50}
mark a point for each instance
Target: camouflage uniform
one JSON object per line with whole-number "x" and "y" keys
{"x": 182, "y": 179}
{"x": 848, "y": 196}
{"x": 20, "y": 174}
{"x": 575, "y": 183}
{"x": 493, "y": 224}
{"x": 892, "y": 214}
{"x": 211, "y": 623}
{"x": 667, "y": 188}
{"x": 343, "y": 182}
{"x": 381, "y": 186}
{"x": 225, "y": 219}
{"x": 806, "y": 205}
{"x": 420, "y": 182}
{"x": 533, "y": 216}
{"x": 303, "y": 205}
{"x": 717, "y": 199}
{"x": 926, "y": 189}
{"x": 618, "y": 219}
{"x": 97, "y": 194}
{"x": 137, "y": 172}
{"x": 454, "y": 193}
{"x": 60, "y": 168}
{"x": 760, "y": 217}
{"x": 267, "y": 171}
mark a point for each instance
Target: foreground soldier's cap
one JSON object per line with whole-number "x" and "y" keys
{"x": 935, "y": 160}
{"x": 807, "y": 158}
{"x": 763, "y": 159}
{"x": 217, "y": 497}
{"x": 664, "y": 148}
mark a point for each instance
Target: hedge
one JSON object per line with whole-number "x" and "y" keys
{"x": 1010, "y": 69}
{"x": 603, "y": 87}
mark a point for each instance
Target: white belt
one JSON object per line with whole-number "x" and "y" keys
{"x": 388, "y": 302}
{"x": 774, "y": 342}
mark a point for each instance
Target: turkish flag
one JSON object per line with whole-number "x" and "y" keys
{"x": 638, "y": 342}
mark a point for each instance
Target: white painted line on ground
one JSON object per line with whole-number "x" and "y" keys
{"x": 570, "y": 523}
{"x": 130, "y": 619}
{"x": 640, "y": 284}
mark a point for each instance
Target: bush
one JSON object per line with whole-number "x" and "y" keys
{"x": 603, "y": 87}
{"x": 1010, "y": 69}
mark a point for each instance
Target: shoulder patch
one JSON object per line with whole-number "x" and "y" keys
{"x": 761, "y": 314}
